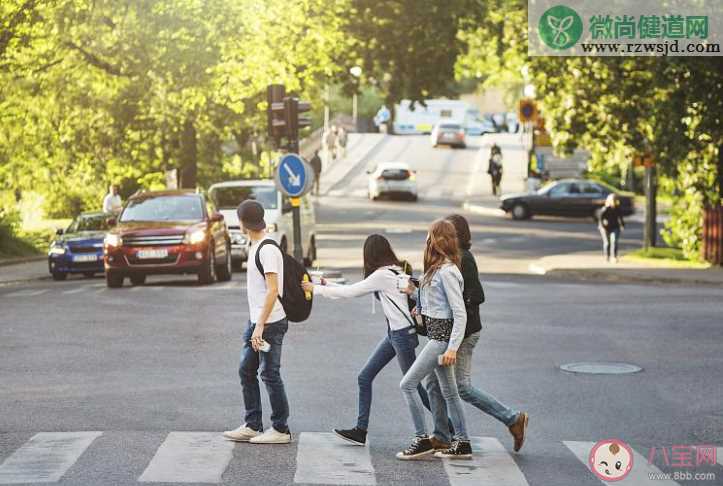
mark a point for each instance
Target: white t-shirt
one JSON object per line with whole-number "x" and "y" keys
{"x": 273, "y": 262}
{"x": 112, "y": 203}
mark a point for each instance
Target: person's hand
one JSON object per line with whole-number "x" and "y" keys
{"x": 414, "y": 312}
{"x": 257, "y": 337}
{"x": 449, "y": 358}
{"x": 307, "y": 286}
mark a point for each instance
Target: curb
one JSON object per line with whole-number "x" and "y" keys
{"x": 484, "y": 210}
{"x": 16, "y": 261}
{"x": 603, "y": 276}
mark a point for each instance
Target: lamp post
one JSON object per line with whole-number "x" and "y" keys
{"x": 355, "y": 71}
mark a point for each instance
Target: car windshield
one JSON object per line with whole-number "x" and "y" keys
{"x": 166, "y": 208}
{"x": 98, "y": 222}
{"x": 231, "y": 197}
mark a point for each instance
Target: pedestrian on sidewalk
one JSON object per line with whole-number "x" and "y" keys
{"x": 263, "y": 337}
{"x": 610, "y": 225}
{"x": 473, "y": 294}
{"x": 330, "y": 141}
{"x": 382, "y": 273}
{"x": 112, "y": 203}
{"x": 494, "y": 168}
{"x": 440, "y": 302}
{"x": 341, "y": 139}
{"x": 315, "y": 163}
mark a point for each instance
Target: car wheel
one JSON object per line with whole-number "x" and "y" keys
{"x": 138, "y": 279}
{"x": 113, "y": 280}
{"x": 59, "y": 276}
{"x": 413, "y": 198}
{"x": 89, "y": 274}
{"x": 224, "y": 271}
{"x": 311, "y": 255}
{"x": 520, "y": 211}
{"x": 207, "y": 272}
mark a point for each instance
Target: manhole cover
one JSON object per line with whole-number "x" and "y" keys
{"x": 600, "y": 368}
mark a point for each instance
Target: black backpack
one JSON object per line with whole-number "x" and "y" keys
{"x": 296, "y": 306}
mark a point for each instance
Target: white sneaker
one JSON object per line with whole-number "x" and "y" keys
{"x": 242, "y": 434}
{"x": 272, "y": 436}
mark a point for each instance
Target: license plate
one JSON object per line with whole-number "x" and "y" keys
{"x": 85, "y": 258}
{"x": 152, "y": 254}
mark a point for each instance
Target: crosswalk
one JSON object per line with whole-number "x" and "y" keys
{"x": 321, "y": 458}
{"x": 101, "y": 289}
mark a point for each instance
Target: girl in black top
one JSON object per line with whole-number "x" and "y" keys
{"x": 611, "y": 224}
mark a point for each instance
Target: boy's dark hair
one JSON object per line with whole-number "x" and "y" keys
{"x": 462, "y": 228}
{"x": 378, "y": 253}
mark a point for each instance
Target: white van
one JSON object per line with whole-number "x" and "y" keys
{"x": 279, "y": 221}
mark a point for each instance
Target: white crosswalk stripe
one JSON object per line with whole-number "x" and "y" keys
{"x": 26, "y": 293}
{"x": 46, "y": 457}
{"x": 491, "y": 465}
{"x": 322, "y": 459}
{"x": 74, "y": 291}
{"x": 639, "y": 475}
{"x": 189, "y": 457}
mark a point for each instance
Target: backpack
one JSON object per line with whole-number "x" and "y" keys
{"x": 296, "y": 306}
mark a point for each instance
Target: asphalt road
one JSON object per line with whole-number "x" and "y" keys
{"x": 113, "y": 387}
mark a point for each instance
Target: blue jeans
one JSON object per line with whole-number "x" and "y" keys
{"x": 610, "y": 242}
{"x": 426, "y": 363}
{"x": 270, "y": 364}
{"x": 400, "y": 343}
{"x": 475, "y": 397}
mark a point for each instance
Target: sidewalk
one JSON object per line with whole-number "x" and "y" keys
{"x": 359, "y": 148}
{"x": 591, "y": 266}
{"x": 23, "y": 271}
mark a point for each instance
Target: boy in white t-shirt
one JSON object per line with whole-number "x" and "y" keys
{"x": 267, "y": 322}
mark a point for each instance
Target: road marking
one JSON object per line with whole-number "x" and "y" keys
{"x": 189, "y": 457}
{"x": 502, "y": 285}
{"x": 491, "y": 465}
{"x": 322, "y": 458}
{"x": 26, "y": 293}
{"x": 46, "y": 457}
{"x": 639, "y": 475}
{"x": 398, "y": 231}
{"x": 136, "y": 288}
{"x": 536, "y": 269}
{"x": 74, "y": 291}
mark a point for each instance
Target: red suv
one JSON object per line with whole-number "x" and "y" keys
{"x": 167, "y": 232}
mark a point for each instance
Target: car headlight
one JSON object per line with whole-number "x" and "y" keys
{"x": 272, "y": 228}
{"x": 57, "y": 249}
{"x": 196, "y": 236}
{"x": 113, "y": 240}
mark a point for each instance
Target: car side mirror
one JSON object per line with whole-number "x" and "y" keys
{"x": 217, "y": 217}
{"x": 287, "y": 207}
{"x": 111, "y": 222}
{"x": 59, "y": 231}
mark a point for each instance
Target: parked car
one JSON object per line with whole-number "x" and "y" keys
{"x": 447, "y": 133}
{"x": 392, "y": 179}
{"x": 79, "y": 248}
{"x": 567, "y": 197}
{"x": 167, "y": 232}
{"x": 277, "y": 213}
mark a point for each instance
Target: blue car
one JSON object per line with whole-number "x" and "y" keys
{"x": 79, "y": 249}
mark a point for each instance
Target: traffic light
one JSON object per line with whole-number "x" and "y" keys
{"x": 294, "y": 122}
{"x": 276, "y": 112}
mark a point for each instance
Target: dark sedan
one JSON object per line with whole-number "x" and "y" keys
{"x": 79, "y": 249}
{"x": 568, "y": 197}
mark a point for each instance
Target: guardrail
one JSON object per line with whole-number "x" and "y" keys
{"x": 713, "y": 235}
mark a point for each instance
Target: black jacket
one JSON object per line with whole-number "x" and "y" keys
{"x": 473, "y": 293}
{"x": 611, "y": 219}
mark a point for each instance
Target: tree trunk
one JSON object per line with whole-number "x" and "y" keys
{"x": 188, "y": 157}
{"x": 650, "y": 231}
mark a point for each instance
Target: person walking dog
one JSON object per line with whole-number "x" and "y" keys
{"x": 440, "y": 302}
{"x": 264, "y": 336}
{"x": 382, "y": 273}
{"x": 473, "y": 294}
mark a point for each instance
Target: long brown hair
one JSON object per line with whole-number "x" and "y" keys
{"x": 378, "y": 253}
{"x": 442, "y": 247}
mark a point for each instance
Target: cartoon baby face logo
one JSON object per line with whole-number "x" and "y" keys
{"x": 611, "y": 459}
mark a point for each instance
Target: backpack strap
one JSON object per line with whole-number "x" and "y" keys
{"x": 267, "y": 241}
{"x": 406, "y": 316}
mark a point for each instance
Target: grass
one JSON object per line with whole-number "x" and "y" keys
{"x": 669, "y": 257}
{"x": 31, "y": 240}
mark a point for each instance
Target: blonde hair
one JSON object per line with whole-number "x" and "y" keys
{"x": 442, "y": 247}
{"x": 611, "y": 200}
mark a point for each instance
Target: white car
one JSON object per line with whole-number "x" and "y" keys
{"x": 278, "y": 216}
{"x": 448, "y": 133}
{"x": 392, "y": 179}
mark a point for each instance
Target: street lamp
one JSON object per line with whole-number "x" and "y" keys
{"x": 355, "y": 71}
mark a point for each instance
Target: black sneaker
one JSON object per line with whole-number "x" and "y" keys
{"x": 421, "y": 446}
{"x": 356, "y": 435}
{"x": 461, "y": 449}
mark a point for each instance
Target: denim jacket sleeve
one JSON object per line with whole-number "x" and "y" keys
{"x": 453, "y": 285}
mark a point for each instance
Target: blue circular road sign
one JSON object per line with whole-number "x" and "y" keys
{"x": 293, "y": 175}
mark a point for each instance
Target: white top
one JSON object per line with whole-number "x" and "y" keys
{"x": 382, "y": 280}
{"x": 273, "y": 262}
{"x": 112, "y": 203}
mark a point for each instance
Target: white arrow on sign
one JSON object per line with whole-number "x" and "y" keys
{"x": 295, "y": 179}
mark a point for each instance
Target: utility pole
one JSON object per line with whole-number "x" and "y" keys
{"x": 650, "y": 229}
